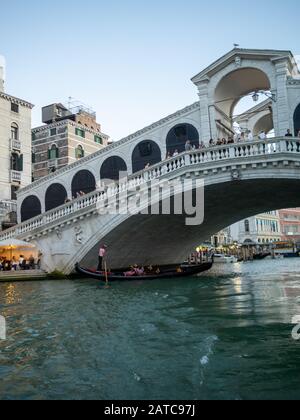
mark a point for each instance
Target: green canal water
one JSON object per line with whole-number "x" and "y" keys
{"x": 224, "y": 335}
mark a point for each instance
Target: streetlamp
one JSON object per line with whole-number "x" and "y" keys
{"x": 271, "y": 96}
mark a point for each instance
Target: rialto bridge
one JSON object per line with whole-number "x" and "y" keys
{"x": 240, "y": 180}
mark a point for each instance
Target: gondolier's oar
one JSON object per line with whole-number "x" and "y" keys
{"x": 106, "y": 274}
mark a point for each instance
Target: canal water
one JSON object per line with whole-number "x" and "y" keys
{"x": 224, "y": 335}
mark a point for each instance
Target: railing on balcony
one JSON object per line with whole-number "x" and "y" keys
{"x": 53, "y": 163}
{"x": 15, "y": 176}
{"x": 214, "y": 156}
{"x": 15, "y": 144}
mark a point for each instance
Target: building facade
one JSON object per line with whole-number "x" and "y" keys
{"x": 67, "y": 136}
{"x": 261, "y": 229}
{"x": 290, "y": 224}
{"x": 15, "y": 148}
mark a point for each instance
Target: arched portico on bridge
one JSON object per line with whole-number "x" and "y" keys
{"x": 179, "y": 135}
{"x": 112, "y": 168}
{"x": 30, "y": 208}
{"x": 145, "y": 153}
{"x": 56, "y": 196}
{"x": 84, "y": 181}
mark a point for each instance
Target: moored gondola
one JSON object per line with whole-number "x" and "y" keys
{"x": 169, "y": 272}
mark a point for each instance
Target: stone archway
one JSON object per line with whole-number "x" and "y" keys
{"x": 84, "y": 181}
{"x": 56, "y": 196}
{"x": 297, "y": 120}
{"x": 178, "y": 136}
{"x": 146, "y": 152}
{"x": 231, "y": 89}
{"x": 112, "y": 168}
{"x": 30, "y": 208}
{"x": 265, "y": 123}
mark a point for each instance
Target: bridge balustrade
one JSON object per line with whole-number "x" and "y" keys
{"x": 187, "y": 159}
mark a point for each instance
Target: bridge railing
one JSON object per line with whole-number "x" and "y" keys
{"x": 186, "y": 159}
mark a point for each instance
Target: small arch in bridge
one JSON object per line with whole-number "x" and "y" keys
{"x": 31, "y": 207}
{"x": 297, "y": 120}
{"x": 179, "y": 135}
{"x": 83, "y": 181}
{"x": 55, "y": 196}
{"x": 146, "y": 152}
{"x": 265, "y": 124}
{"x": 112, "y": 167}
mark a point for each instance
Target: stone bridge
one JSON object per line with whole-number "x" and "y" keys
{"x": 240, "y": 180}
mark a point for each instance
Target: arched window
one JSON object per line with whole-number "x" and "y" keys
{"x": 79, "y": 152}
{"x": 146, "y": 152}
{"x": 84, "y": 181}
{"x": 31, "y": 207}
{"x": 53, "y": 152}
{"x": 56, "y": 196}
{"x": 297, "y": 120}
{"x": 179, "y": 135}
{"x": 14, "y": 131}
{"x": 112, "y": 168}
{"x": 247, "y": 226}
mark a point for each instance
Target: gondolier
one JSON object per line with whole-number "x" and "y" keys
{"x": 102, "y": 253}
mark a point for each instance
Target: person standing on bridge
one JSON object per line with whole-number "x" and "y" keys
{"x": 102, "y": 253}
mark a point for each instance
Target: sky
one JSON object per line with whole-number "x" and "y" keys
{"x": 131, "y": 61}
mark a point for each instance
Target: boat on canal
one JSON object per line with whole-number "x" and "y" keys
{"x": 165, "y": 272}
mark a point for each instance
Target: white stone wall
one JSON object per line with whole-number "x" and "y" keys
{"x": 23, "y": 120}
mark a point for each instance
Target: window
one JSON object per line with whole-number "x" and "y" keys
{"x": 98, "y": 140}
{"x": 247, "y": 226}
{"x": 53, "y": 132}
{"x": 53, "y": 153}
{"x": 33, "y": 157}
{"x": 79, "y": 152}
{"x": 17, "y": 162}
{"x": 14, "y": 107}
{"x": 14, "y": 190}
{"x": 14, "y": 131}
{"x": 80, "y": 133}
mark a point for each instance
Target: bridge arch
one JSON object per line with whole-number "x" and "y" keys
{"x": 264, "y": 123}
{"x": 237, "y": 84}
{"x": 83, "y": 181}
{"x": 56, "y": 196}
{"x": 112, "y": 167}
{"x": 146, "y": 152}
{"x": 30, "y": 208}
{"x": 297, "y": 120}
{"x": 178, "y": 136}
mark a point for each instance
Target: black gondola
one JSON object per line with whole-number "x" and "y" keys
{"x": 168, "y": 272}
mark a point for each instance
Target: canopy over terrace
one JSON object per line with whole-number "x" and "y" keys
{"x": 14, "y": 246}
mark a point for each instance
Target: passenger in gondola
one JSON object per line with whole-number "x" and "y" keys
{"x": 149, "y": 269}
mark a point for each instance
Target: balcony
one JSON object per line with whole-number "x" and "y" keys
{"x": 53, "y": 163}
{"x": 15, "y": 176}
{"x": 15, "y": 145}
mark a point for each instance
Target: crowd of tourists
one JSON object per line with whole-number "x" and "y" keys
{"x": 19, "y": 264}
{"x": 242, "y": 137}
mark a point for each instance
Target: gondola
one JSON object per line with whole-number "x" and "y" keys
{"x": 168, "y": 272}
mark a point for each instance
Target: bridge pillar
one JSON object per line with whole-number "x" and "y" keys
{"x": 280, "y": 107}
{"x": 205, "y": 113}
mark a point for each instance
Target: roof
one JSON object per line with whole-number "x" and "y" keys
{"x": 15, "y": 100}
{"x": 242, "y": 53}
